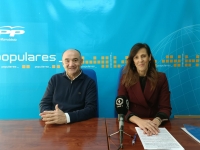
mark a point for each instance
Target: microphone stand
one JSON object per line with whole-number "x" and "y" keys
{"x": 121, "y": 131}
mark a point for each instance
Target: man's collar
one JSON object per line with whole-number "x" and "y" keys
{"x": 65, "y": 74}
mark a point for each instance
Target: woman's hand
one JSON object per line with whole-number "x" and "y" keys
{"x": 149, "y": 127}
{"x": 157, "y": 121}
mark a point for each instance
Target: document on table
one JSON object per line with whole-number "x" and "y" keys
{"x": 163, "y": 141}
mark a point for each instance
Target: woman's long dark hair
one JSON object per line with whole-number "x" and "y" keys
{"x": 131, "y": 75}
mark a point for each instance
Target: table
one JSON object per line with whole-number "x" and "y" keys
{"x": 89, "y": 134}
{"x": 173, "y": 126}
{"x": 35, "y": 135}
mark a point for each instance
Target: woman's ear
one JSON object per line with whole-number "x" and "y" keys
{"x": 150, "y": 57}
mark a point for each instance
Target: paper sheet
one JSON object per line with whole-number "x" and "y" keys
{"x": 163, "y": 141}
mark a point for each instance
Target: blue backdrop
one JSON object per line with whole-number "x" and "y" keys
{"x": 33, "y": 35}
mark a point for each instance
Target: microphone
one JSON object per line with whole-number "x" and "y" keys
{"x": 122, "y": 107}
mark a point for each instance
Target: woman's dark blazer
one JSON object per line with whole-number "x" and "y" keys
{"x": 148, "y": 103}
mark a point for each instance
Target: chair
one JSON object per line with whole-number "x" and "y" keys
{"x": 118, "y": 81}
{"x": 92, "y": 74}
{"x": 120, "y": 74}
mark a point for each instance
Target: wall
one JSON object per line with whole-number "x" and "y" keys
{"x": 33, "y": 35}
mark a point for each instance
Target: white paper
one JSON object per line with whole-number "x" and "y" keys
{"x": 163, "y": 141}
{"x": 184, "y": 129}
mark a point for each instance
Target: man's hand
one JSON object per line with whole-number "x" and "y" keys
{"x": 54, "y": 117}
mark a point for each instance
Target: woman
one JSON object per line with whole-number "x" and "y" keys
{"x": 147, "y": 90}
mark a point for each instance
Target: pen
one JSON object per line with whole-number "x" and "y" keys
{"x": 134, "y": 138}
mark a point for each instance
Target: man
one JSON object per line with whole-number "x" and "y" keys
{"x": 70, "y": 96}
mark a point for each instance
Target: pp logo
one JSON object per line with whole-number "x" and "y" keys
{"x": 10, "y": 31}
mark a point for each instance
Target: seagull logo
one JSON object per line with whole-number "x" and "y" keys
{"x": 11, "y": 27}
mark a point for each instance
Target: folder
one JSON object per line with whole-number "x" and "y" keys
{"x": 193, "y": 131}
